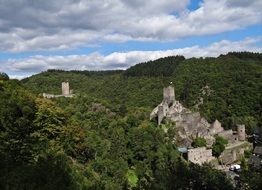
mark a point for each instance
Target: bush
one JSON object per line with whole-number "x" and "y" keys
{"x": 199, "y": 142}
{"x": 219, "y": 146}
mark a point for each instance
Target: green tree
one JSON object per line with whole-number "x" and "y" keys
{"x": 199, "y": 142}
{"x": 250, "y": 179}
{"x": 243, "y": 164}
{"x": 206, "y": 177}
{"x": 219, "y": 146}
{"x": 17, "y": 110}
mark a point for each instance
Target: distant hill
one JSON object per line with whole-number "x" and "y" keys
{"x": 227, "y": 88}
{"x": 162, "y": 67}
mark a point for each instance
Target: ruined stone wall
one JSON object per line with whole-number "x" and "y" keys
{"x": 209, "y": 140}
{"x": 234, "y": 152}
{"x": 153, "y": 114}
{"x": 216, "y": 128}
{"x": 228, "y": 135}
{"x": 160, "y": 114}
{"x": 175, "y": 111}
{"x": 200, "y": 155}
{"x": 163, "y": 109}
{"x": 66, "y": 92}
{"x": 228, "y": 157}
{"x": 45, "y": 95}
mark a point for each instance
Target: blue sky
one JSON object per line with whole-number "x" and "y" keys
{"x": 116, "y": 34}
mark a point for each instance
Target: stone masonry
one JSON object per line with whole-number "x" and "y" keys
{"x": 200, "y": 155}
{"x": 190, "y": 125}
{"x": 66, "y": 92}
{"x": 65, "y": 88}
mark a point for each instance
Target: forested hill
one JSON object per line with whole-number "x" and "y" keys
{"x": 76, "y": 144}
{"x": 230, "y": 85}
{"x": 162, "y": 67}
{"x": 102, "y": 137}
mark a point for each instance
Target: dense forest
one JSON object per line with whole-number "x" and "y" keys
{"x": 102, "y": 137}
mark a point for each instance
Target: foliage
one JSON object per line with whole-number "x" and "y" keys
{"x": 248, "y": 153}
{"x": 243, "y": 164}
{"x": 250, "y": 179}
{"x": 207, "y": 178}
{"x": 219, "y": 146}
{"x": 199, "y": 142}
{"x": 159, "y": 68}
{"x": 17, "y": 111}
{"x": 132, "y": 178}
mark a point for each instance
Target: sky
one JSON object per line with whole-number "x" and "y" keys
{"x": 37, "y": 35}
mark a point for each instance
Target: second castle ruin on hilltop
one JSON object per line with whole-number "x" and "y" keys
{"x": 66, "y": 92}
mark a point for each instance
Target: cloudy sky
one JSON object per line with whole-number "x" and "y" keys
{"x": 37, "y": 35}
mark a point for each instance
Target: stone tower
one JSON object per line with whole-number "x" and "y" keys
{"x": 241, "y": 132}
{"x": 169, "y": 95}
{"x": 65, "y": 88}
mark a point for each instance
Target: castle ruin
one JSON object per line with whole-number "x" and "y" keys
{"x": 66, "y": 92}
{"x": 190, "y": 125}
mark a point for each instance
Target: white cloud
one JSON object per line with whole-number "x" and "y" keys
{"x": 63, "y": 24}
{"x": 123, "y": 60}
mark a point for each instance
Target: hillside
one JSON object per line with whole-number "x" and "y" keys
{"x": 102, "y": 138}
{"x": 227, "y": 88}
{"x": 75, "y": 143}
